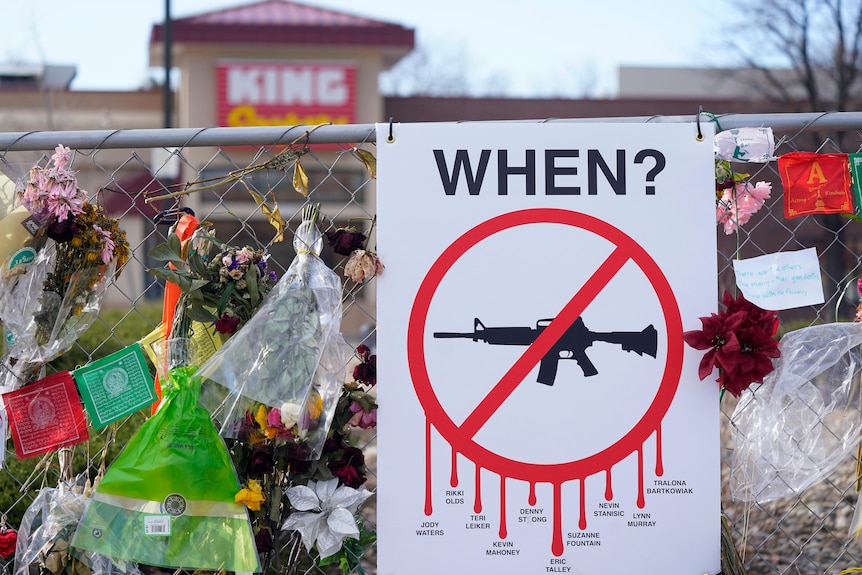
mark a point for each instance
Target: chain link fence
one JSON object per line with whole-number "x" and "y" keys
{"x": 129, "y": 169}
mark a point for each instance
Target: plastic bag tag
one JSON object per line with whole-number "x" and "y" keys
{"x": 157, "y": 525}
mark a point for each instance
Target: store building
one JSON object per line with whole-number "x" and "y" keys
{"x": 271, "y": 62}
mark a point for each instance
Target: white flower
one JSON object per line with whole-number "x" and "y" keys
{"x": 324, "y": 514}
{"x": 289, "y": 414}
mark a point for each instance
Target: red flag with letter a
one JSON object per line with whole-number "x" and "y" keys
{"x": 815, "y": 183}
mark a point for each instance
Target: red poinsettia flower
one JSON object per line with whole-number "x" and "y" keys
{"x": 740, "y": 343}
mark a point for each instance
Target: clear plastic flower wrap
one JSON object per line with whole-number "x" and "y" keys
{"x": 270, "y": 363}
{"x": 804, "y": 420}
{"x": 324, "y": 394}
{"x": 44, "y": 324}
{"x": 51, "y": 288}
{"x": 46, "y": 531}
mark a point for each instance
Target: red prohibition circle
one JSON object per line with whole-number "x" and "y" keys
{"x": 461, "y": 437}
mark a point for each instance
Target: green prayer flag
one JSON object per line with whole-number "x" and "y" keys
{"x": 168, "y": 499}
{"x": 856, "y": 178}
{"x": 115, "y": 386}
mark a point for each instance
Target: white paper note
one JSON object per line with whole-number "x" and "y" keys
{"x": 782, "y": 280}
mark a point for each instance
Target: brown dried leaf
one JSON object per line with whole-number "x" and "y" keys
{"x": 300, "y": 179}
{"x": 368, "y": 160}
{"x": 273, "y": 215}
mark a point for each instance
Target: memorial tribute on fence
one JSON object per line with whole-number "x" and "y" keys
{"x": 540, "y": 243}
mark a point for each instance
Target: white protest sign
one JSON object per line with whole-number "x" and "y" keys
{"x": 540, "y": 412}
{"x": 782, "y": 280}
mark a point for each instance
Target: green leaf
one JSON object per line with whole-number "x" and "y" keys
{"x": 251, "y": 281}
{"x": 197, "y": 265}
{"x": 170, "y": 251}
{"x": 173, "y": 276}
{"x": 199, "y": 313}
{"x": 222, "y": 302}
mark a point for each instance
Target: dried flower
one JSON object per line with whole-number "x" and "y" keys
{"x": 366, "y": 372}
{"x": 345, "y": 240}
{"x": 363, "y": 265}
{"x": 227, "y": 324}
{"x": 361, "y": 418}
{"x": 263, "y": 540}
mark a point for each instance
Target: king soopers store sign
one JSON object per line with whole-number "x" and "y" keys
{"x": 285, "y": 93}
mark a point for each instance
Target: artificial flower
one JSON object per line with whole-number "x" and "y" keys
{"x": 363, "y": 265}
{"x": 739, "y": 202}
{"x": 739, "y": 342}
{"x": 344, "y": 241}
{"x": 252, "y": 495}
{"x": 324, "y": 514}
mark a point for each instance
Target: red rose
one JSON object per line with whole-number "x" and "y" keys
{"x": 227, "y": 324}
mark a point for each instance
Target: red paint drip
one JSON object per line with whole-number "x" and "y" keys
{"x": 428, "y": 507}
{"x": 503, "y": 531}
{"x": 453, "y": 476}
{"x": 582, "y": 521}
{"x": 609, "y": 488}
{"x": 659, "y": 464}
{"x": 557, "y": 540}
{"x": 641, "y": 500}
{"x": 532, "y": 498}
{"x": 477, "y": 498}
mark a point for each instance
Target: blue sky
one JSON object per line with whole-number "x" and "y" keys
{"x": 539, "y": 47}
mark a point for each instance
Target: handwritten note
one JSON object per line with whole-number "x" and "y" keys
{"x": 783, "y": 280}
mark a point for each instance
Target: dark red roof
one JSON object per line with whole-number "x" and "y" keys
{"x": 285, "y": 22}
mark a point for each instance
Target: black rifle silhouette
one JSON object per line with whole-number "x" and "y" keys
{"x": 572, "y": 345}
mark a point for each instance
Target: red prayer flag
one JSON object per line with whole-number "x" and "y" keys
{"x": 46, "y": 415}
{"x": 815, "y": 183}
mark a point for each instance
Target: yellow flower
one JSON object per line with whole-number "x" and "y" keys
{"x": 252, "y": 495}
{"x": 260, "y": 416}
{"x": 315, "y": 406}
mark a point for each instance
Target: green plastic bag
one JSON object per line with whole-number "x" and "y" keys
{"x": 168, "y": 499}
